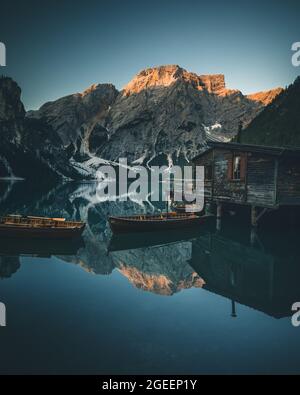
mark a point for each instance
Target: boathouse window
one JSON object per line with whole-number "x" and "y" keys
{"x": 236, "y": 175}
{"x": 236, "y": 167}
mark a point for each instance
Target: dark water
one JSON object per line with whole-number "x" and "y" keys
{"x": 181, "y": 302}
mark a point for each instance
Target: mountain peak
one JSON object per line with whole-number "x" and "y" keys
{"x": 265, "y": 97}
{"x": 97, "y": 87}
{"x": 90, "y": 89}
{"x": 164, "y": 76}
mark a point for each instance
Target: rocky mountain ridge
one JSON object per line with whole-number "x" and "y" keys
{"x": 279, "y": 123}
{"x": 29, "y": 148}
{"x": 165, "y": 114}
{"x": 164, "y": 111}
{"x": 167, "y": 75}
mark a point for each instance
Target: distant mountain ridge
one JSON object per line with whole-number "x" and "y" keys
{"x": 163, "y": 112}
{"x": 279, "y": 123}
{"x": 265, "y": 97}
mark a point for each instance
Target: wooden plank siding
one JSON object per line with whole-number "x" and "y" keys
{"x": 261, "y": 185}
{"x": 289, "y": 182}
{"x": 268, "y": 177}
{"x": 224, "y": 188}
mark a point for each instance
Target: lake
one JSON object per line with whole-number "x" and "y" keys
{"x": 187, "y": 302}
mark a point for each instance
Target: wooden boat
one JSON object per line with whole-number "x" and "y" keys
{"x": 39, "y": 227}
{"x": 186, "y": 208}
{"x": 147, "y": 223}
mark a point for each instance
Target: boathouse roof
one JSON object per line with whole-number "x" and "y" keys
{"x": 260, "y": 149}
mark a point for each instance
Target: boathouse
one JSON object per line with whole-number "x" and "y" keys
{"x": 258, "y": 176}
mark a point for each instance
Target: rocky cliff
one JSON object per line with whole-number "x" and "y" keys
{"x": 74, "y": 117}
{"x": 163, "y": 112}
{"x": 12, "y": 112}
{"x": 29, "y": 148}
{"x": 169, "y": 111}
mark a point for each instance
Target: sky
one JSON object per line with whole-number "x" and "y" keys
{"x": 55, "y": 48}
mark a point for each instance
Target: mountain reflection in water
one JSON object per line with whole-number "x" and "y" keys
{"x": 262, "y": 276}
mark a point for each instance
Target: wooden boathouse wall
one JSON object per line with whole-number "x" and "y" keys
{"x": 268, "y": 177}
{"x": 289, "y": 182}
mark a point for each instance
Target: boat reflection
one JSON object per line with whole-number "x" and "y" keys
{"x": 40, "y": 248}
{"x": 12, "y": 249}
{"x": 260, "y": 271}
{"x": 263, "y": 276}
{"x": 134, "y": 241}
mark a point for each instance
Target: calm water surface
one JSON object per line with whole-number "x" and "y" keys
{"x": 182, "y": 302}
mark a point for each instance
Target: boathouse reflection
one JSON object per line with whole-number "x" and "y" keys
{"x": 264, "y": 279}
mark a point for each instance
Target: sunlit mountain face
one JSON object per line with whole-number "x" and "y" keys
{"x": 163, "y": 115}
{"x": 163, "y": 110}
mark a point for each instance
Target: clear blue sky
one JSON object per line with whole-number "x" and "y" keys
{"x": 59, "y": 47}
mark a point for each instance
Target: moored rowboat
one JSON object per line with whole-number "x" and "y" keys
{"x": 147, "y": 223}
{"x": 39, "y": 227}
{"x": 186, "y": 208}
